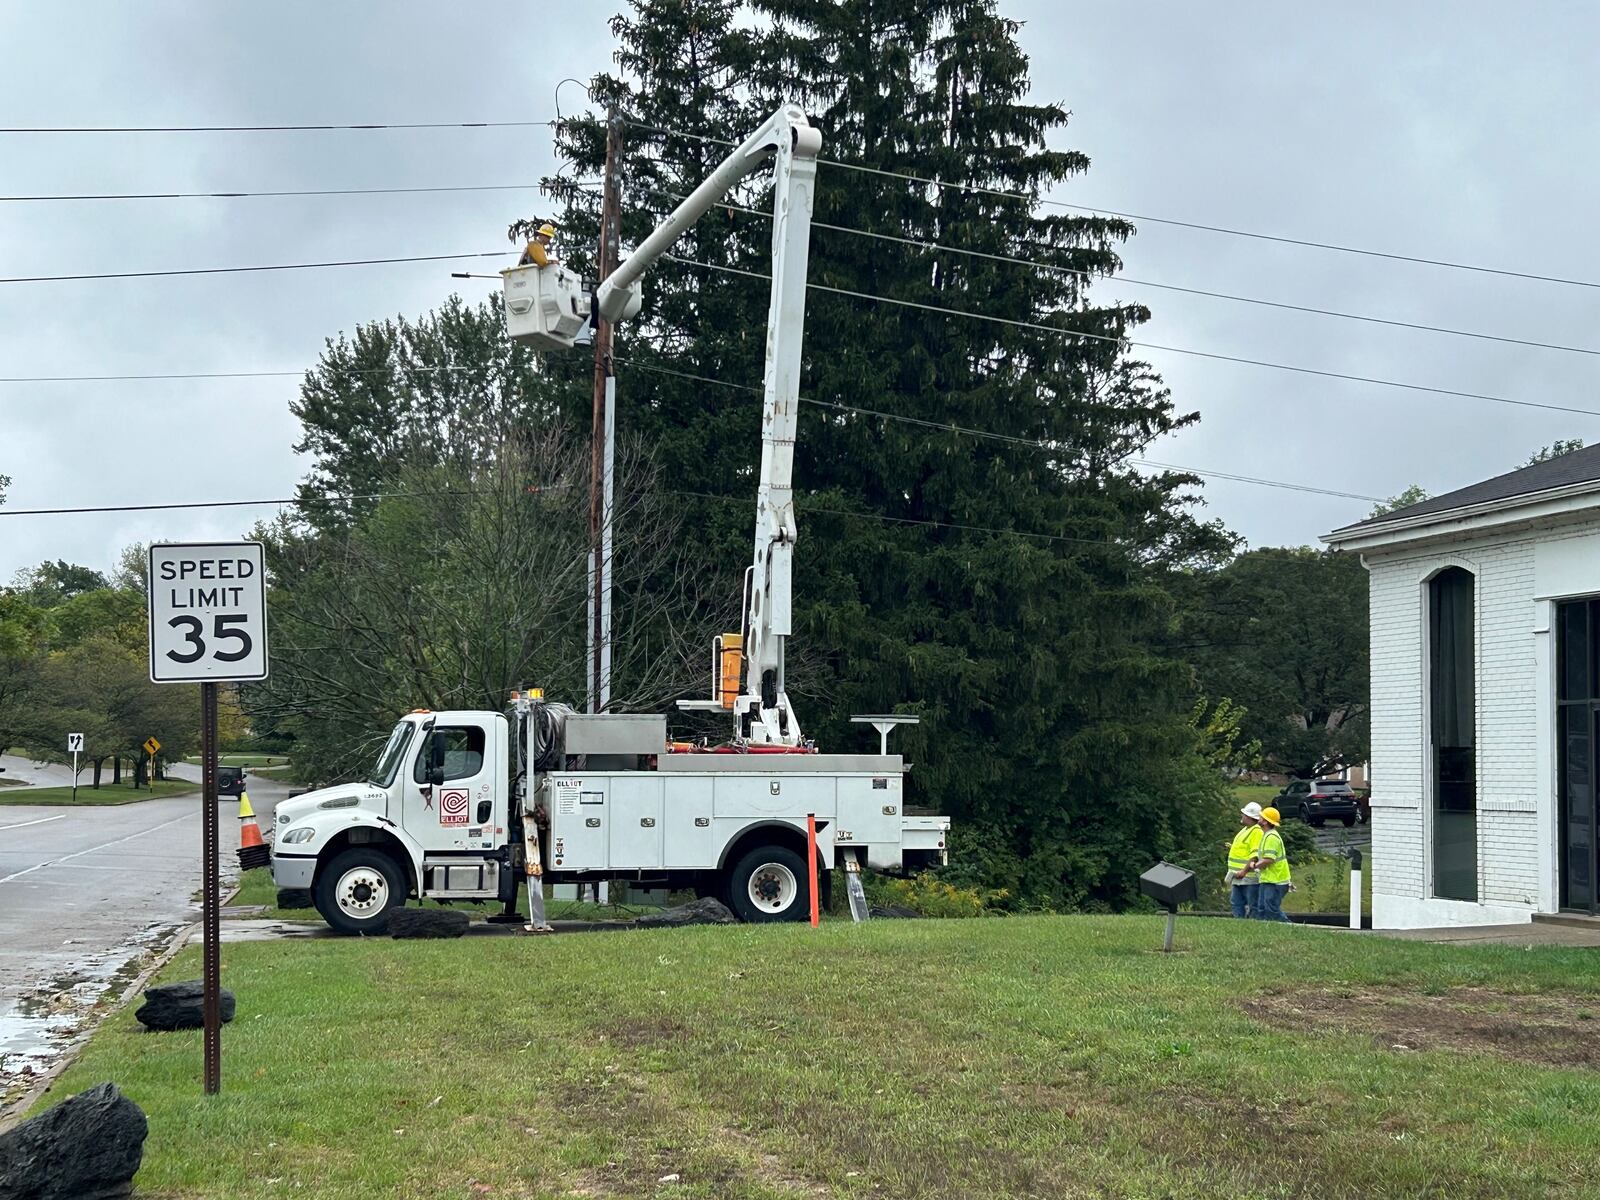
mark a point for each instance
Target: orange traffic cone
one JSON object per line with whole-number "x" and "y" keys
{"x": 253, "y": 851}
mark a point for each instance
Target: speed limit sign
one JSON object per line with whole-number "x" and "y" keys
{"x": 208, "y": 612}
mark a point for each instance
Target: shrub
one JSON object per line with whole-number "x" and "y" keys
{"x": 933, "y": 897}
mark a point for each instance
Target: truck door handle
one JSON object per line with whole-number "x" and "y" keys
{"x": 483, "y": 812}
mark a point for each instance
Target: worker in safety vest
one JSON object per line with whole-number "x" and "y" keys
{"x": 538, "y": 252}
{"x": 1271, "y": 860}
{"x": 1242, "y": 881}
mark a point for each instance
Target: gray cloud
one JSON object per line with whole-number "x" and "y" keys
{"x": 1442, "y": 130}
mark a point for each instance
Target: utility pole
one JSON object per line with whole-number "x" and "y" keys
{"x": 603, "y": 438}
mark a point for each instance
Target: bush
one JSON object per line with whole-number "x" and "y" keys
{"x": 931, "y": 896}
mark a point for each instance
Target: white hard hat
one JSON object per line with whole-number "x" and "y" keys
{"x": 1251, "y": 810}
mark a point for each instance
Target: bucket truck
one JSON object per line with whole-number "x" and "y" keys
{"x": 462, "y": 805}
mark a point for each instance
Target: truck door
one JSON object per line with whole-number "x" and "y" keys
{"x": 462, "y": 813}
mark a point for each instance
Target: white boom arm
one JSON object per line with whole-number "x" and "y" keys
{"x": 763, "y": 708}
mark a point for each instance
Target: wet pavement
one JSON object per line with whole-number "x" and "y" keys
{"x": 85, "y": 895}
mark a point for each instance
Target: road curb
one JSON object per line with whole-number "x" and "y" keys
{"x": 14, "y": 1113}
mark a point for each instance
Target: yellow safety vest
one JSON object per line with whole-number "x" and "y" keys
{"x": 1244, "y": 847}
{"x": 1272, "y": 847}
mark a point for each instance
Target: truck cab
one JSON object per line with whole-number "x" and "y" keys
{"x": 443, "y": 814}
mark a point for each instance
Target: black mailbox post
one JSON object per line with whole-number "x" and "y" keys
{"x": 1169, "y": 886}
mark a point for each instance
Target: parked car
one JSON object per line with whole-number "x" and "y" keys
{"x": 230, "y": 781}
{"x": 1314, "y": 801}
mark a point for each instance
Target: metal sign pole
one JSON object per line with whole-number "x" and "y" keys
{"x": 211, "y": 885}
{"x": 74, "y": 776}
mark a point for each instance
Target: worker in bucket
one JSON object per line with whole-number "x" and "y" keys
{"x": 1242, "y": 881}
{"x": 1271, "y": 861}
{"x": 538, "y": 252}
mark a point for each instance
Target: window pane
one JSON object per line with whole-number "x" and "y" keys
{"x": 1577, "y": 806}
{"x": 1574, "y": 625}
{"x": 1453, "y": 696}
{"x": 463, "y": 754}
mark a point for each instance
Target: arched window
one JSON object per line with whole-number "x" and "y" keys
{"x": 1453, "y": 705}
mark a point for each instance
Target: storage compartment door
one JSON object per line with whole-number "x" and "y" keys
{"x": 869, "y": 809}
{"x": 578, "y": 822}
{"x": 635, "y": 821}
{"x": 689, "y": 841}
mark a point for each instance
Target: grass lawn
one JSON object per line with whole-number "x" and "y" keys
{"x": 107, "y": 793}
{"x": 245, "y": 760}
{"x": 1037, "y": 1056}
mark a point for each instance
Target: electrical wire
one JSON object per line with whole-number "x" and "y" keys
{"x": 372, "y": 191}
{"x": 269, "y": 128}
{"x": 923, "y": 244}
{"x": 888, "y": 520}
{"x": 1032, "y": 443}
{"x": 292, "y": 502}
{"x": 352, "y": 262}
{"x": 978, "y": 189}
{"x": 1102, "y": 337}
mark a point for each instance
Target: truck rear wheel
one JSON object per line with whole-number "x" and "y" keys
{"x": 358, "y": 889}
{"x": 769, "y": 884}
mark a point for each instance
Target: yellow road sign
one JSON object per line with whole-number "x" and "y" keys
{"x": 151, "y": 745}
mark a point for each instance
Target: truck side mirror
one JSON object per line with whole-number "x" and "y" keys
{"x": 436, "y": 745}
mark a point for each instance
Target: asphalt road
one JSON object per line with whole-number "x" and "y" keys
{"x": 84, "y": 890}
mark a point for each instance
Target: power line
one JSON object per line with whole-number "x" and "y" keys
{"x": 978, "y": 189}
{"x": 402, "y": 369}
{"x": 353, "y": 262}
{"x": 293, "y": 502}
{"x": 1102, "y": 337}
{"x": 1032, "y": 443}
{"x": 883, "y": 518}
{"x": 372, "y": 191}
{"x": 269, "y": 128}
{"x": 924, "y": 244}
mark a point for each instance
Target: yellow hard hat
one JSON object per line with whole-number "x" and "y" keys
{"x": 1272, "y": 814}
{"x": 547, "y": 229}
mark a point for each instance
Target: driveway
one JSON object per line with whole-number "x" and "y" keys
{"x": 83, "y": 892}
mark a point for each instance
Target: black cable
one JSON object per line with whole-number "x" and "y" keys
{"x": 978, "y": 189}
{"x": 1032, "y": 443}
{"x": 268, "y": 128}
{"x": 923, "y": 244}
{"x": 353, "y": 262}
{"x": 1102, "y": 337}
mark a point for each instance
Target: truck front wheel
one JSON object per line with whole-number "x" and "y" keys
{"x": 358, "y": 889}
{"x": 769, "y": 884}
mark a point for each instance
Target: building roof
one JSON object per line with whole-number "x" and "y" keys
{"x": 1566, "y": 471}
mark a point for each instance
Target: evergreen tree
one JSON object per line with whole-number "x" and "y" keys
{"x": 1054, "y": 729}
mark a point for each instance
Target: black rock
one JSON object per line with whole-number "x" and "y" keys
{"x": 180, "y": 1006}
{"x": 294, "y": 897}
{"x": 705, "y": 911}
{"x": 890, "y": 911}
{"x": 427, "y": 923}
{"x": 85, "y": 1148}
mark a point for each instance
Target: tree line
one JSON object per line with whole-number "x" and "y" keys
{"x": 1092, "y": 658}
{"x": 73, "y": 659}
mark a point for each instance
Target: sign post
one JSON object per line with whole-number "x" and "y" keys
{"x": 150, "y": 748}
{"x": 208, "y": 625}
{"x": 75, "y": 744}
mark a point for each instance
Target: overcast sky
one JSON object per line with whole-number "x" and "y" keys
{"x": 1441, "y": 130}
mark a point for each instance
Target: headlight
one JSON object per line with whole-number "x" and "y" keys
{"x": 295, "y": 836}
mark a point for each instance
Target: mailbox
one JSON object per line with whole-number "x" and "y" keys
{"x": 1168, "y": 886}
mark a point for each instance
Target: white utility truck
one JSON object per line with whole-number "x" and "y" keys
{"x": 464, "y": 805}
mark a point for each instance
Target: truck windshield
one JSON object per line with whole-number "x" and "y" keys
{"x": 393, "y": 752}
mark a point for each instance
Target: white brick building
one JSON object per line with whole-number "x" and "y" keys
{"x": 1486, "y": 698}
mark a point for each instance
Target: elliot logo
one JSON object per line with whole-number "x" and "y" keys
{"x": 453, "y": 806}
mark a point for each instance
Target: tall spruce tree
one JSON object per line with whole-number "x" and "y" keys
{"x": 1054, "y": 729}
